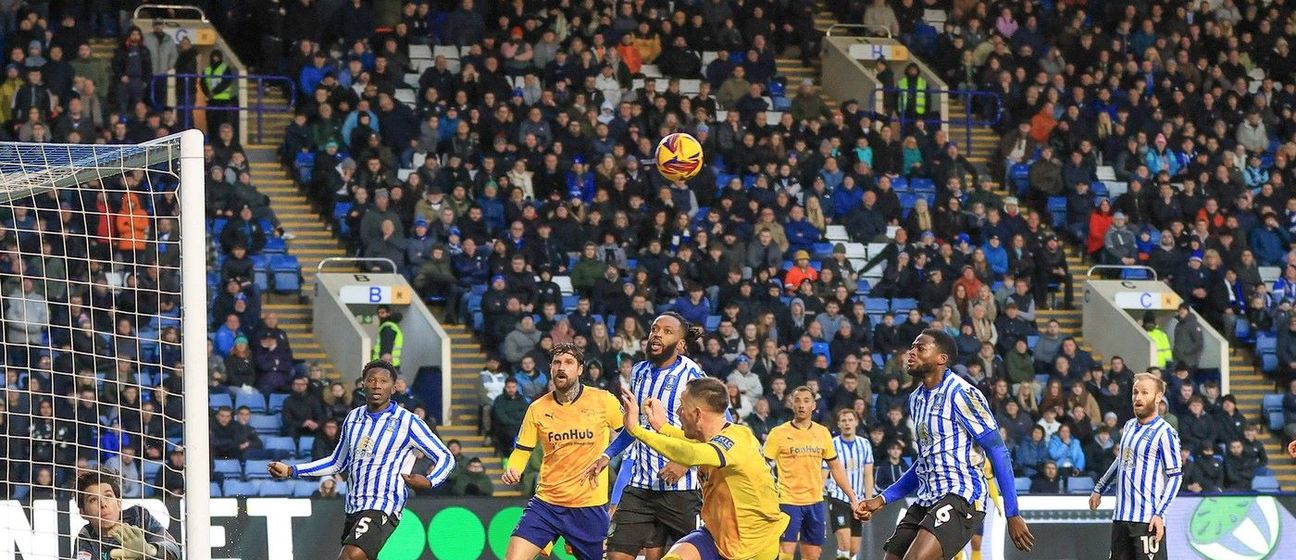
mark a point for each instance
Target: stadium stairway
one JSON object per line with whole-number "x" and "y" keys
{"x": 313, "y": 242}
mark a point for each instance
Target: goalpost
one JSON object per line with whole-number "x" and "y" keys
{"x": 103, "y": 296}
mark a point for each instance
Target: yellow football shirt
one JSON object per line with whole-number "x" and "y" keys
{"x": 799, "y": 455}
{"x": 573, "y": 435}
{"x": 739, "y": 506}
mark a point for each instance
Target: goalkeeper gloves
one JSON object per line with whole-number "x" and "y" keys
{"x": 133, "y": 545}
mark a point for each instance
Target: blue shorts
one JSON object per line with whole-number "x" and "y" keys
{"x": 706, "y": 546}
{"x": 583, "y": 527}
{"x": 806, "y": 524}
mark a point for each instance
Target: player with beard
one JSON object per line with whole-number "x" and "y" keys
{"x": 573, "y": 424}
{"x": 951, "y": 416}
{"x": 1148, "y": 475}
{"x": 660, "y": 504}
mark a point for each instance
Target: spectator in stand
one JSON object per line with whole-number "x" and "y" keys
{"x": 274, "y": 365}
{"x": 1204, "y": 473}
{"x": 1196, "y": 429}
{"x": 302, "y": 411}
{"x": 229, "y": 440}
{"x": 1239, "y": 468}
{"x": 1047, "y": 481}
{"x": 507, "y": 413}
{"x": 1289, "y": 410}
{"x": 1066, "y": 452}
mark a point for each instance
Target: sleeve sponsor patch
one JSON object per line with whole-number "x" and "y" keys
{"x": 723, "y": 442}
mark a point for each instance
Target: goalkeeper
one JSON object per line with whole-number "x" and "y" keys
{"x": 132, "y": 534}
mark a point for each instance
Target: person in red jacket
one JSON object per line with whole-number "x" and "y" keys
{"x": 800, "y": 272}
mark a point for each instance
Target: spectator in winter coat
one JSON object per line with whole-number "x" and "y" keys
{"x": 274, "y": 364}
{"x": 1188, "y": 343}
{"x": 1118, "y": 243}
{"x": 302, "y": 411}
{"x": 1239, "y": 468}
{"x": 1031, "y": 453}
{"x": 1066, "y": 451}
{"x": 1270, "y": 242}
{"x": 1203, "y": 474}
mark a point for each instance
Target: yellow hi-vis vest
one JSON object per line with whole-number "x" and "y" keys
{"x": 1162, "y": 341}
{"x": 918, "y": 97}
{"x": 397, "y": 343}
{"x": 213, "y": 78}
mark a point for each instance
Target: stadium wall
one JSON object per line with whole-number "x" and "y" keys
{"x": 1245, "y": 527}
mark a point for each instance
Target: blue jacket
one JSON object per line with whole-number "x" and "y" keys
{"x": 844, "y": 200}
{"x": 1269, "y": 245}
{"x": 471, "y": 271}
{"x": 696, "y": 313}
{"x": 1066, "y": 454}
{"x": 1031, "y": 454}
{"x": 801, "y": 235}
{"x": 997, "y": 258}
{"x": 311, "y": 77}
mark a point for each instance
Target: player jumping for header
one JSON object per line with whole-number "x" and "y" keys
{"x": 950, "y": 416}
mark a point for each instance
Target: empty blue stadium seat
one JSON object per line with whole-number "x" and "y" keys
{"x": 1080, "y": 485}
{"x": 257, "y": 469}
{"x": 150, "y": 469}
{"x": 217, "y": 400}
{"x": 903, "y": 305}
{"x": 862, "y": 287}
{"x": 266, "y": 423}
{"x": 1265, "y": 484}
{"x": 276, "y": 402}
{"x": 712, "y": 322}
{"x": 1242, "y": 330}
{"x": 229, "y": 468}
{"x": 275, "y": 246}
{"x": 569, "y": 303}
{"x": 240, "y": 488}
{"x": 822, "y": 250}
{"x": 899, "y": 184}
{"x": 254, "y": 401}
{"x": 304, "y": 488}
{"x": 304, "y": 446}
{"x": 216, "y": 490}
{"x": 1269, "y": 363}
{"x": 1022, "y": 484}
{"x": 287, "y": 273}
{"x": 280, "y": 447}
{"x": 1276, "y": 421}
{"x": 261, "y": 272}
{"x": 1056, "y": 203}
{"x": 1020, "y": 176}
{"x": 282, "y": 488}
{"x": 877, "y": 305}
{"x": 1266, "y": 343}
{"x": 1271, "y": 402}
{"x": 922, "y": 185}
{"x": 1099, "y": 190}
{"x": 821, "y": 348}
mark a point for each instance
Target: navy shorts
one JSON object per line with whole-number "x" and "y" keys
{"x": 705, "y": 544}
{"x": 583, "y": 527}
{"x": 806, "y": 524}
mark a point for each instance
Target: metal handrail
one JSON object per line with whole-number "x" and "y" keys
{"x": 354, "y": 260}
{"x": 865, "y": 26}
{"x": 136, "y": 14}
{"x": 186, "y": 103}
{"x": 967, "y": 121}
{"x": 1123, "y": 267}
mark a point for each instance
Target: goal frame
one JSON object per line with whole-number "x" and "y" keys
{"x": 196, "y": 505}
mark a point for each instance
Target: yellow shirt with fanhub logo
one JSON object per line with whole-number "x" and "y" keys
{"x": 798, "y": 455}
{"x": 573, "y": 435}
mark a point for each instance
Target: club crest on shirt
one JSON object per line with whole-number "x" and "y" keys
{"x": 938, "y": 400}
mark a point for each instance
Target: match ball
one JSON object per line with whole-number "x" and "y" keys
{"x": 679, "y": 157}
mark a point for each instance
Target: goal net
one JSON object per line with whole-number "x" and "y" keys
{"x": 103, "y": 421}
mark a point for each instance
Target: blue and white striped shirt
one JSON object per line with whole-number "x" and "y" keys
{"x": 948, "y": 420}
{"x": 376, "y": 449}
{"x": 856, "y": 456}
{"x": 1150, "y": 471}
{"x": 667, "y": 385}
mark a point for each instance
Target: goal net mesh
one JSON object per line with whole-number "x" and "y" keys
{"x": 90, "y": 293}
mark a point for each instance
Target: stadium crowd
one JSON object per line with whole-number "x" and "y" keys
{"x": 528, "y": 160}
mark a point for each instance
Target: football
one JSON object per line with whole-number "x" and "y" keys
{"x": 679, "y": 156}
